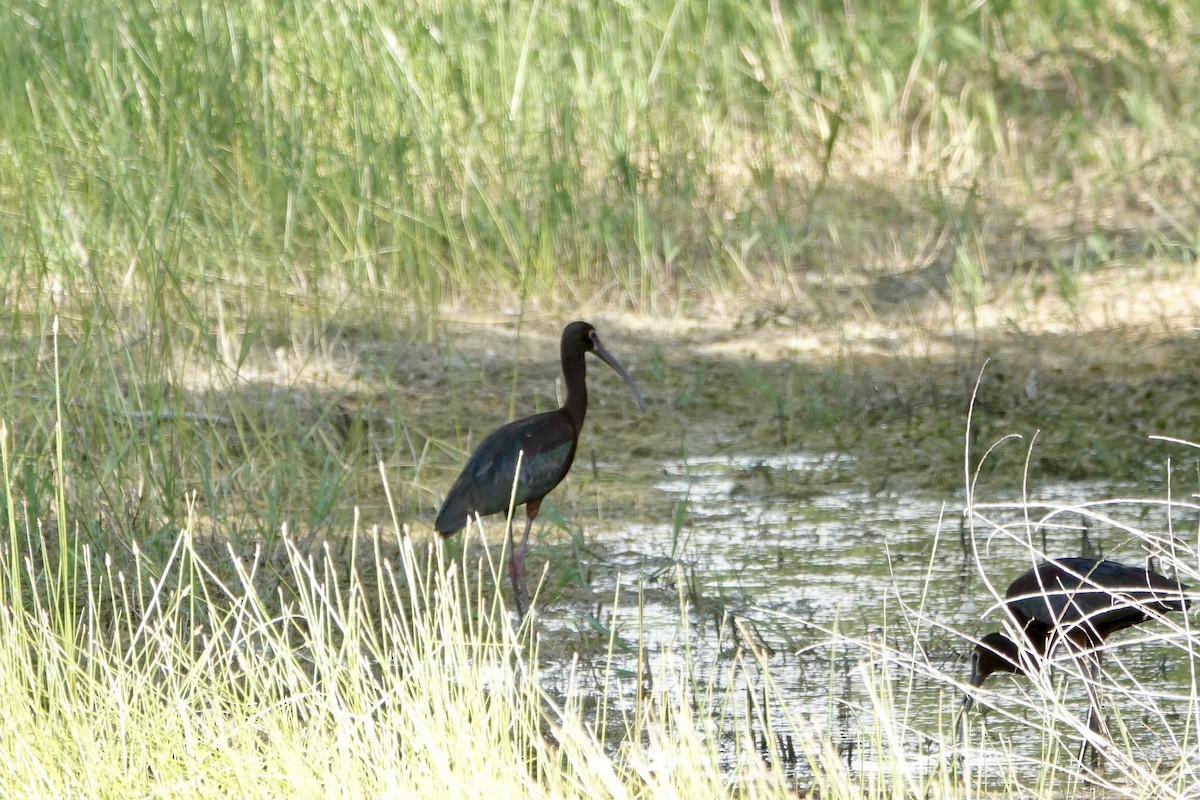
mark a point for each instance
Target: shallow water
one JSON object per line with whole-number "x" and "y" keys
{"x": 803, "y": 581}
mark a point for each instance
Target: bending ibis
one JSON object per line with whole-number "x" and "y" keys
{"x": 544, "y": 444}
{"x": 1080, "y": 601}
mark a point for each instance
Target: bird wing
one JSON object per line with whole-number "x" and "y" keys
{"x": 544, "y": 444}
{"x": 1104, "y": 595}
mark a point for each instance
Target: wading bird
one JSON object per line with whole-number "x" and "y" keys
{"x": 544, "y": 444}
{"x": 1079, "y": 601}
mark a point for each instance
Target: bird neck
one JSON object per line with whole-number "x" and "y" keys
{"x": 575, "y": 376}
{"x": 998, "y": 653}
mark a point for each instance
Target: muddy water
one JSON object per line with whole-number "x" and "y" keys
{"x": 805, "y": 583}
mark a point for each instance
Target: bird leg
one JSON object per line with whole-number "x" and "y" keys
{"x": 516, "y": 564}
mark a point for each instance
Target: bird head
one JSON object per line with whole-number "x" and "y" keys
{"x": 580, "y": 337}
{"x": 994, "y": 653}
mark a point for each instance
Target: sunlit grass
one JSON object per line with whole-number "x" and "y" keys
{"x": 407, "y": 679}
{"x": 1053, "y": 702}
{"x": 314, "y": 673}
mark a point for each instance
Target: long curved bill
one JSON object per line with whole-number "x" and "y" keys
{"x": 611, "y": 360}
{"x": 960, "y": 722}
{"x": 968, "y": 702}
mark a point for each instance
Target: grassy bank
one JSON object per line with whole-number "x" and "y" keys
{"x": 168, "y": 160}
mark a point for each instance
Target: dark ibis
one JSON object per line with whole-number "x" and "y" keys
{"x": 544, "y": 444}
{"x": 1080, "y": 601}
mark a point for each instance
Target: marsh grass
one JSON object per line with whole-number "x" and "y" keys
{"x": 1054, "y": 704}
{"x": 393, "y": 670}
{"x": 169, "y": 161}
{"x": 1128, "y": 768}
{"x": 233, "y": 240}
{"x": 187, "y": 639}
{"x": 406, "y": 680}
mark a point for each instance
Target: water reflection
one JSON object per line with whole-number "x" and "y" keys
{"x": 836, "y": 588}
